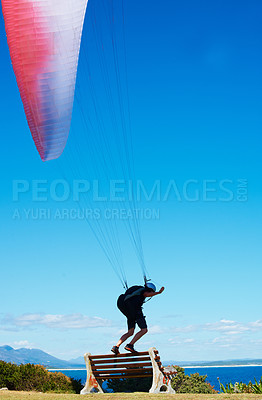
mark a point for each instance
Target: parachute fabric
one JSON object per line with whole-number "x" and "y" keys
{"x": 44, "y": 39}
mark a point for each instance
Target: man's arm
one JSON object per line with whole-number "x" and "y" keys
{"x": 151, "y": 294}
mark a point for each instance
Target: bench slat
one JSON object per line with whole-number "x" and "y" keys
{"x": 143, "y": 353}
{"x": 107, "y": 377}
{"x": 126, "y": 371}
{"x": 120, "y": 360}
{"x": 104, "y": 366}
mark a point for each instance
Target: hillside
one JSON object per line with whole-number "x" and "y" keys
{"x": 35, "y": 356}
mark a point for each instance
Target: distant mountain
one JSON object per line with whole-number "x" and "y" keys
{"x": 78, "y": 361}
{"x": 35, "y": 356}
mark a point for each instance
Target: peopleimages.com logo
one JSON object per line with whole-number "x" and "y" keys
{"x": 119, "y": 190}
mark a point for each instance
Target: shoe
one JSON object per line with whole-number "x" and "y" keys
{"x": 115, "y": 350}
{"x": 130, "y": 347}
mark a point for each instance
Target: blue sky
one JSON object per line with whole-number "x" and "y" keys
{"x": 194, "y": 79}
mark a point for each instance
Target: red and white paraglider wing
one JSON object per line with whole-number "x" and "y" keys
{"x": 44, "y": 39}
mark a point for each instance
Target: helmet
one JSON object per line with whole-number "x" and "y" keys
{"x": 151, "y": 286}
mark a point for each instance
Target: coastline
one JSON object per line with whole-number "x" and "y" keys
{"x": 66, "y": 369}
{"x": 183, "y": 366}
{"x": 221, "y": 366}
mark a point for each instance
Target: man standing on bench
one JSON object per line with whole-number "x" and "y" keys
{"x": 130, "y": 304}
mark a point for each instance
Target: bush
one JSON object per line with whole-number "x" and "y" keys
{"x": 240, "y": 387}
{"x": 194, "y": 383}
{"x": 36, "y": 377}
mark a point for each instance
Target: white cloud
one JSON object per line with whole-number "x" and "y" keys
{"x": 177, "y": 341}
{"x": 189, "y": 340}
{"x": 257, "y": 324}
{"x": 228, "y": 327}
{"x": 220, "y": 339}
{"x": 227, "y": 321}
{"x": 56, "y": 321}
{"x": 222, "y": 334}
{"x": 185, "y": 329}
{"x": 155, "y": 330}
{"x": 23, "y": 343}
{"x": 121, "y": 331}
{"x": 171, "y": 316}
{"x": 225, "y": 341}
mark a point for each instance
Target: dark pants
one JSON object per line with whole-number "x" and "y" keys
{"x": 133, "y": 313}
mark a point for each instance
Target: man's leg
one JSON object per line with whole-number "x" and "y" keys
{"x": 138, "y": 335}
{"x": 123, "y": 338}
{"x": 141, "y": 322}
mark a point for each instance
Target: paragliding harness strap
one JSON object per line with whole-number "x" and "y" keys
{"x": 128, "y": 365}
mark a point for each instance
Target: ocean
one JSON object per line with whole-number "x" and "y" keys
{"x": 226, "y": 374}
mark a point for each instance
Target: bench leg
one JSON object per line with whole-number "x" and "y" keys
{"x": 159, "y": 380}
{"x": 91, "y": 382}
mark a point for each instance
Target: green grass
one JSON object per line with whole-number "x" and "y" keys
{"x": 8, "y": 395}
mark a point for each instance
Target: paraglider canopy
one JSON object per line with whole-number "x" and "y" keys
{"x": 44, "y": 40}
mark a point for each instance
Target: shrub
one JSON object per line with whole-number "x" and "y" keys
{"x": 36, "y": 377}
{"x": 9, "y": 376}
{"x": 194, "y": 383}
{"x": 257, "y": 387}
{"x": 240, "y": 387}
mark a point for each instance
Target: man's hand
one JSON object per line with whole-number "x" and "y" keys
{"x": 152, "y": 294}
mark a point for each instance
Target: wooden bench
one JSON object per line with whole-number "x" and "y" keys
{"x": 127, "y": 365}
